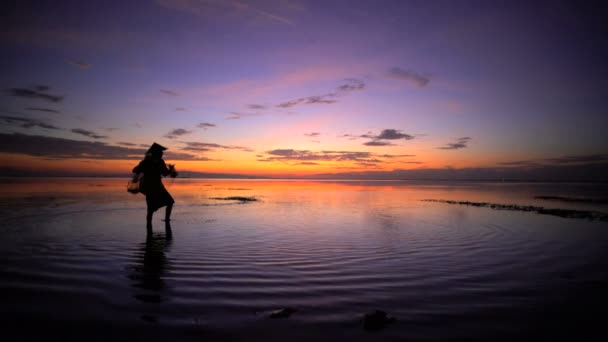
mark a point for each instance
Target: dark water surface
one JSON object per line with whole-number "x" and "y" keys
{"x": 77, "y": 263}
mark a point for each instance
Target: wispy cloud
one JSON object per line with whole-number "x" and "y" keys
{"x": 578, "y": 159}
{"x": 123, "y": 143}
{"x": 27, "y": 122}
{"x": 79, "y": 64}
{"x": 255, "y": 106}
{"x": 519, "y": 163}
{"x": 169, "y": 92}
{"x": 378, "y": 143}
{"x": 352, "y": 85}
{"x": 205, "y": 125}
{"x": 46, "y": 110}
{"x": 582, "y": 159}
{"x": 316, "y": 99}
{"x": 460, "y": 143}
{"x": 61, "y": 148}
{"x": 596, "y": 171}
{"x": 408, "y": 76}
{"x": 177, "y": 132}
{"x": 196, "y": 146}
{"x": 240, "y": 115}
{"x": 181, "y": 109}
{"x": 380, "y": 139}
{"x": 274, "y": 17}
{"x": 214, "y": 9}
{"x": 37, "y": 92}
{"x": 349, "y": 136}
{"x": 291, "y": 156}
{"x": 312, "y": 134}
{"x": 329, "y": 98}
{"x": 88, "y": 133}
{"x": 396, "y": 155}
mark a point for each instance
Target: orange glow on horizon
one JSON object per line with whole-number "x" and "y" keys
{"x": 239, "y": 163}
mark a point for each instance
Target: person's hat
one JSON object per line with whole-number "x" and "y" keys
{"x": 155, "y": 148}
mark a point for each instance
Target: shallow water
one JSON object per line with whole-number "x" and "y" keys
{"x": 77, "y": 264}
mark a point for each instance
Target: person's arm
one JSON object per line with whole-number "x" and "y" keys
{"x": 170, "y": 171}
{"x": 139, "y": 168}
{"x": 163, "y": 169}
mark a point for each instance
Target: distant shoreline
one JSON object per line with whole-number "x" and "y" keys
{"x": 239, "y": 177}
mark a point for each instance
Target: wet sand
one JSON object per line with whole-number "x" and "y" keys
{"x": 77, "y": 263}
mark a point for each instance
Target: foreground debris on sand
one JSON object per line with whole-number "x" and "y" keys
{"x": 376, "y": 320}
{"x": 236, "y": 198}
{"x": 282, "y": 313}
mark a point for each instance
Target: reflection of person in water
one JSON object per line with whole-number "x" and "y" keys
{"x": 153, "y": 167}
{"x": 149, "y": 271}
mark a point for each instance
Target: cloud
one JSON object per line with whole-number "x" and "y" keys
{"x": 378, "y": 143}
{"x": 379, "y": 139}
{"x": 27, "y": 122}
{"x": 181, "y": 109}
{"x": 518, "y": 163}
{"x": 396, "y": 155}
{"x": 352, "y": 85}
{"x": 176, "y": 133}
{"x": 204, "y": 147}
{"x": 460, "y": 143}
{"x": 214, "y": 9}
{"x": 590, "y": 172}
{"x": 274, "y": 17}
{"x": 37, "y": 92}
{"x": 87, "y": 133}
{"x": 169, "y": 92}
{"x": 239, "y": 115}
{"x": 393, "y": 134}
{"x": 364, "y": 159}
{"x": 349, "y": 136}
{"x": 556, "y": 161}
{"x": 256, "y": 106}
{"x": 329, "y": 98}
{"x": 47, "y": 110}
{"x": 368, "y": 165}
{"x": 79, "y": 64}
{"x": 312, "y": 134}
{"x": 578, "y": 159}
{"x": 316, "y": 99}
{"x": 126, "y": 144}
{"x": 205, "y": 125}
{"x": 409, "y": 76}
{"x": 61, "y": 148}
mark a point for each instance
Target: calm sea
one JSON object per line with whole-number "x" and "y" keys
{"x": 76, "y": 262}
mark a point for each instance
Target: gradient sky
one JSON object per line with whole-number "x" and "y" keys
{"x": 300, "y": 88}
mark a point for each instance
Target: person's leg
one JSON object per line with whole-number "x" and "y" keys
{"x": 149, "y": 220}
{"x": 168, "y": 231}
{"x": 168, "y": 212}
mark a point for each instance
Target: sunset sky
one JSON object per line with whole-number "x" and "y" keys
{"x": 393, "y": 89}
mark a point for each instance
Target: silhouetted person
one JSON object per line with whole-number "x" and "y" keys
{"x": 153, "y": 167}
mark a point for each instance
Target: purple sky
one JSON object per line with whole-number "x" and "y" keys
{"x": 270, "y": 87}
